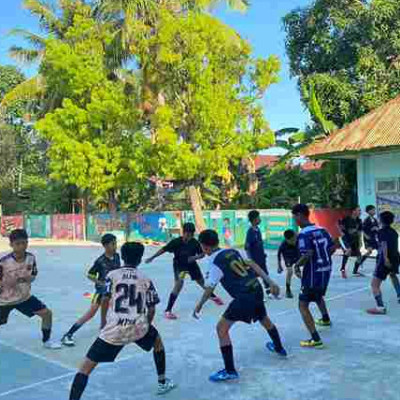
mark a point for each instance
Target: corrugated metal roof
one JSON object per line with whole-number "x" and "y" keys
{"x": 379, "y": 129}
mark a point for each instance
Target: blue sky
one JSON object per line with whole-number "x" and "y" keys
{"x": 261, "y": 25}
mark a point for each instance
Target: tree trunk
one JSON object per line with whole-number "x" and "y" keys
{"x": 197, "y": 207}
{"x": 112, "y": 208}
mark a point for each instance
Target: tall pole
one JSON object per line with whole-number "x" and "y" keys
{"x": 73, "y": 219}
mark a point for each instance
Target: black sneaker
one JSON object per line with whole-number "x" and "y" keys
{"x": 289, "y": 294}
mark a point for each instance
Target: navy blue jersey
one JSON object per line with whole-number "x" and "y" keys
{"x": 255, "y": 246}
{"x": 388, "y": 238}
{"x": 289, "y": 252}
{"x": 101, "y": 267}
{"x": 183, "y": 251}
{"x": 318, "y": 243}
{"x": 235, "y": 275}
{"x": 371, "y": 228}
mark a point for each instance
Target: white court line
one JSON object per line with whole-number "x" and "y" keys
{"x": 34, "y": 355}
{"x": 33, "y": 385}
{"x": 21, "y": 389}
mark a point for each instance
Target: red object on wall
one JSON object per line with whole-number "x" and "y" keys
{"x": 328, "y": 219}
{"x": 11, "y": 222}
{"x": 67, "y": 226}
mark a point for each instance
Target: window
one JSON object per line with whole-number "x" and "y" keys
{"x": 387, "y": 185}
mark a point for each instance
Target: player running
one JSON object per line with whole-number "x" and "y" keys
{"x": 187, "y": 251}
{"x": 290, "y": 253}
{"x": 17, "y": 272}
{"x": 316, "y": 248}
{"x": 130, "y": 305}
{"x": 370, "y": 232}
{"x": 387, "y": 262}
{"x": 106, "y": 263}
{"x": 240, "y": 280}
{"x": 351, "y": 228}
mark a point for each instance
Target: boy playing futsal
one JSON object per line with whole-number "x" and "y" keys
{"x": 130, "y": 304}
{"x": 17, "y": 272}
{"x": 370, "y": 232}
{"x": 316, "y": 248}
{"x": 387, "y": 262}
{"x": 186, "y": 250}
{"x": 240, "y": 279}
{"x": 106, "y": 263}
{"x": 290, "y": 253}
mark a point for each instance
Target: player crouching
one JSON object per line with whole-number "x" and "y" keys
{"x": 240, "y": 280}
{"x": 130, "y": 305}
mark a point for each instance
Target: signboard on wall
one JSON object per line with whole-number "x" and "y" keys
{"x": 390, "y": 202}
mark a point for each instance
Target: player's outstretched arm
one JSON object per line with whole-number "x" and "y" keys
{"x": 153, "y": 257}
{"x": 151, "y": 313}
{"x": 105, "y": 304}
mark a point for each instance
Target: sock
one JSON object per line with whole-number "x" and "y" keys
{"x": 315, "y": 336}
{"x": 288, "y": 287}
{"x": 159, "y": 359}
{"x": 325, "y": 318}
{"x": 379, "y": 301}
{"x": 171, "y": 301}
{"x": 46, "y": 335}
{"x": 213, "y": 295}
{"x": 74, "y": 328}
{"x": 227, "y": 355}
{"x": 78, "y": 386}
{"x": 356, "y": 267}
{"x": 363, "y": 259}
{"x": 274, "y": 335}
{"x": 344, "y": 262}
{"x": 396, "y": 286}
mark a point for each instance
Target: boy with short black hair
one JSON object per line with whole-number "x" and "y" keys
{"x": 290, "y": 253}
{"x": 370, "y": 232}
{"x": 240, "y": 279}
{"x": 387, "y": 262}
{"x": 130, "y": 305}
{"x": 17, "y": 272}
{"x": 187, "y": 251}
{"x": 254, "y": 246}
{"x": 106, "y": 263}
{"x": 351, "y": 228}
{"x": 316, "y": 248}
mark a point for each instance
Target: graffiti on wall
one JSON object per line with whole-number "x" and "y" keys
{"x": 9, "y": 223}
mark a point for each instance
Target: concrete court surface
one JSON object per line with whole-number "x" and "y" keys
{"x": 359, "y": 362}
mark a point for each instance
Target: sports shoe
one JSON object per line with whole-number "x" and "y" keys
{"x": 312, "y": 343}
{"x": 166, "y": 387}
{"x": 344, "y": 275}
{"x": 170, "y": 315}
{"x": 68, "y": 341}
{"x": 52, "y": 345}
{"x": 222, "y": 376}
{"x": 289, "y": 294}
{"x": 321, "y": 322}
{"x": 271, "y": 347}
{"x": 217, "y": 300}
{"x": 377, "y": 311}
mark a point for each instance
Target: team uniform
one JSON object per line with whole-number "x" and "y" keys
{"x": 370, "y": 229}
{"x": 131, "y": 294}
{"x": 290, "y": 253}
{"x": 317, "y": 271}
{"x": 389, "y": 236}
{"x": 15, "y": 294}
{"x": 101, "y": 267}
{"x": 352, "y": 228}
{"x": 182, "y": 251}
{"x": 230, "y": 269}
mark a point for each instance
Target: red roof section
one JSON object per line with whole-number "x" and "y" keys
{"x": 377, "y": 130}
{"x": 312, "y": 165}
{"x": 262, "y": 161}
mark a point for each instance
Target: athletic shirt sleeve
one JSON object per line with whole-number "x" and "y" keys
{"x": 303, "y": 244}
{"x": 94, "y": 271}
{"x": 214, "y": 276}
{"x": 171, "y": 246}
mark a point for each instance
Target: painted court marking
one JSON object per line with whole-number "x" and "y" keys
{"x": 70, "y": 374}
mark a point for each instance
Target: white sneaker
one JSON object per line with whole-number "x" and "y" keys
{"x": 68, "y": 341}
{"x": 166, "y": 387}
{"x": 52, "y": 345}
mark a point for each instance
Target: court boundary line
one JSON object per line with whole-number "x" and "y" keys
{"x": 60, "y": 377}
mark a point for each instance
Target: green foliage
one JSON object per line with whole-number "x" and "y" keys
{"x": 348, "y": 50}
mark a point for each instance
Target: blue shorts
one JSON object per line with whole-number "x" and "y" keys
{"x": 29, "y": 308}
{"x": 312, "y": 295}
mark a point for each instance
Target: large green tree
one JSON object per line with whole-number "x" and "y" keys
{"x": 348, "y": 50}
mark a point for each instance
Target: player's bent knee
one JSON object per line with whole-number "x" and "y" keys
{"x": 87, "y": 367}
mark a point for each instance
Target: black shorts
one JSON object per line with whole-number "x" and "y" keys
{"x": 382, "y": 272}
{"x": 371, "y": 244}
{"x": 28, "y": 308}
{"x": 248, "y": 310}
{"x": 353, "y": 244}
{"x": 193, "y": 271}
{"x": 103, "y": 352}
{"x": 312, "y": 295}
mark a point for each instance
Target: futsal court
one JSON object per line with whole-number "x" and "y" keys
{"x": 360, "y": 361}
